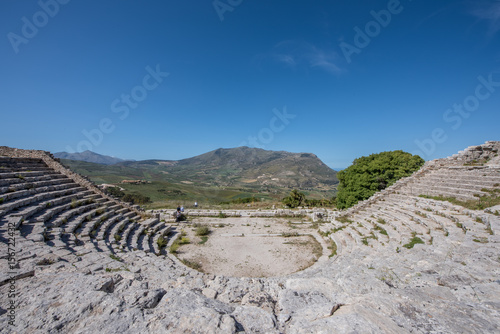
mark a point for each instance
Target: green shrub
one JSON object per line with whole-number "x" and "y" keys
{"x": 161, "y": 242}
{"x": 191, "y": 264}
{"x": 117, "y": 237}
{"x": 202, "y": 230}
{"x": 294, "y": 200}
{"x": 242, "y": 200}
{"x": 184, "y": 241}
{"x": 174, "y": 247}
{"x": 136, "y": 199}
{"x": 367, "y": 175}
{"x": 222, "y": 215}
{"x": 114, "y": 191}
{"x": 203, "y": 240}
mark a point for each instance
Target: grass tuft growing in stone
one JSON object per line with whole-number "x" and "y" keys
{"x": 481, "y": 240}
{"x": 192, "y": 264}
{"x": 381, "y": 230}
{"x": 116, "y": 258}
{"x": 202, "y": 230}
{"x": 333, "y": 248}
{"x": 161, "y": 242}
{"x": 481, "y": 203}
{"x": 415, "y": 240}
{"x": 343, "y": 219}
{"x": 174, "y": 247}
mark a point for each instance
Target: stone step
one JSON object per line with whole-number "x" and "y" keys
{"x": 132, "y": 242}
{"x": 27, "y": 193}
{"x": 116, "y": 230}
{"x": 125, "y": 243}
{"x": 436, "y": 188}
{"x": 480, "y": 182}
{"x": 66, "y": 217}
{"x": 85, "y": 218}
{"x": 424, "y": 191}
{"x": 95, "y": 224}
{"x": 163, "y": 232}
{"x": 12, "y": 184}
{"x": 58, "y": 205}
{"x": 105, "y": 228}
{"x": 19, "y": 203}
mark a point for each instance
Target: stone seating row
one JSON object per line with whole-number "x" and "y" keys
{"x": 33, "y": 184}
{"x": 24, "y": 174}
{"x": 12, "y": 184}
{"x": 19, "y": 194}
{"x": 475, "y": 184}
{"x": 36, "y": 198}
{"x": 417, "y": 191}
{"x": 62, "y": 214}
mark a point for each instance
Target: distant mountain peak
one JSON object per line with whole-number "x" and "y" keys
{"x": 89, "y": 156}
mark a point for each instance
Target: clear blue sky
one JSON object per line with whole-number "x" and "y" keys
{"x": 174, "y": 79}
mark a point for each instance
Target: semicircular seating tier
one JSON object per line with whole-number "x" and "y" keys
{"x": 81, "y": 261}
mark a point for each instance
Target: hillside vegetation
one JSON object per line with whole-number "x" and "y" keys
{"x": 223, "y": 175}
{"x": 373, "y": 173}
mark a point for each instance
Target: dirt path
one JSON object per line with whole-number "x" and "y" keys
{"x": 251, "y": 247}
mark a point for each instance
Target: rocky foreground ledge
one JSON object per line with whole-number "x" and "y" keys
{"x": 75, "y": 261}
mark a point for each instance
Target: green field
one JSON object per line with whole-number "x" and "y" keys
{"x": 169, "y": 187}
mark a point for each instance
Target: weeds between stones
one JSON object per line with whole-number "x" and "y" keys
{"x": 202, "y": 230}
{"x": 415, "y": 240}
{"x": 161, "y": 242}
{"x": 116, "y": 258}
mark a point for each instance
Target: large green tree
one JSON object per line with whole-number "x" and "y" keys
{"x": 367, "y": 175}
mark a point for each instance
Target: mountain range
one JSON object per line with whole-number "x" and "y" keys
{"x": 232, "y": 172}
{"x": 88, "y": 156}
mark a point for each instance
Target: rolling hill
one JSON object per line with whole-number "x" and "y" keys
{"x": 219, "y": 175}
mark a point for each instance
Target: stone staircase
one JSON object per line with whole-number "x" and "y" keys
{"x": 54, "y": 212}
